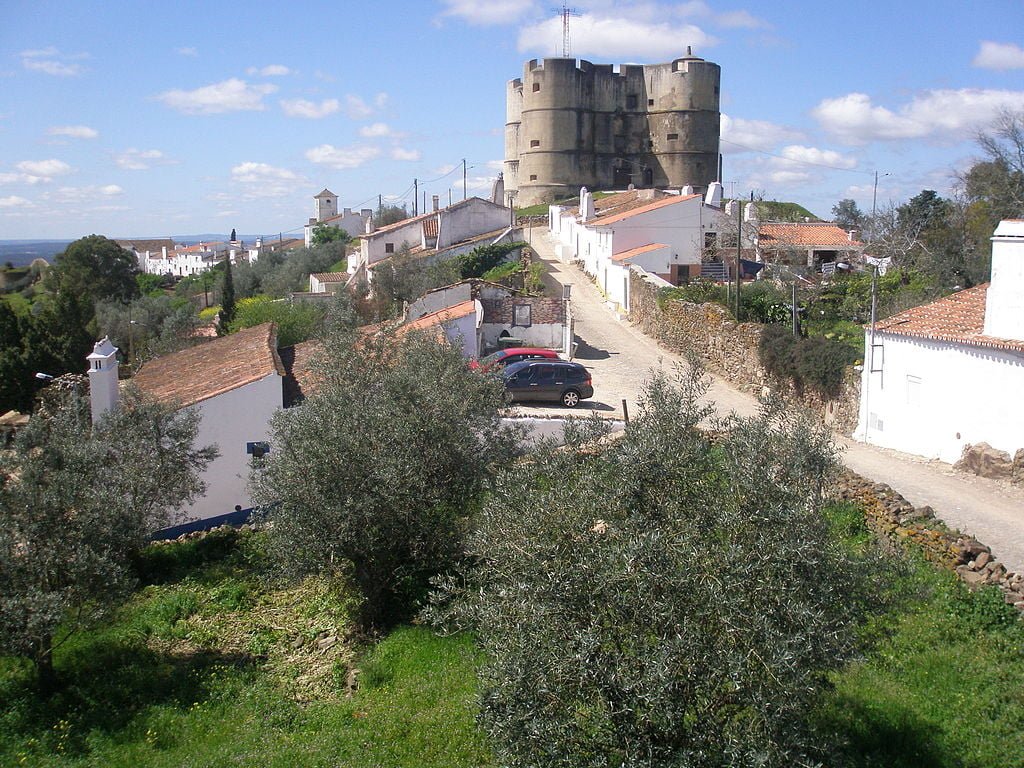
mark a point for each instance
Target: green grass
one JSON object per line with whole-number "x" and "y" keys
{"x": 943, "y": 684}
{"x": 214, "y": 663}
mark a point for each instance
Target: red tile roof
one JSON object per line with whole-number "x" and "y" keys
{"x": 213, "y": 367}
{"x": 812, "y": 234}
{"x": 959, "y": 317}
{"x": 625, "y": 255}
{"x": 331, "y": 277}
{"x": 644, "y": 207}
{"x": 430, "y": 227}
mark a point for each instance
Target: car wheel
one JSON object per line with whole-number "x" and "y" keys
{"x": 570, "y": 398}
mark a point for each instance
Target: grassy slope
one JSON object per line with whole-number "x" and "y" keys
{"x": 211, "y": 665}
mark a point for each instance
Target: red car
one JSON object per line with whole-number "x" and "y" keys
{"x": 504, "y": 357}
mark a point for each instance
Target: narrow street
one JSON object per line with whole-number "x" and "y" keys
{"x": 621, "y": 359}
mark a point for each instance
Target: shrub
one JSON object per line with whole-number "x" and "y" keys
{"x": 817, "y": 363}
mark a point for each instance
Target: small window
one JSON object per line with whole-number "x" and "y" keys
{"x": 673, "y": 136}
{"x": 631, "y": 101}
{"x": 536, "y": 87}
{"x": 389, "y": 247}
{"x": 533, "y": 177}
{"x": 650, "y": 102}
{"x": 521, "y": 315}
{"x": 716, "y": 90}
{"x": 535, "y": 142}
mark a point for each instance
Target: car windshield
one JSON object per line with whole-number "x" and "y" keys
{"x": 491, "y": 358}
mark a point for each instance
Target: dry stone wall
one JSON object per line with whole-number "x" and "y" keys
{"x": 728, "y": 348}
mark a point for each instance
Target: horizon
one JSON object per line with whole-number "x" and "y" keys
{"x": 206, "y": 130}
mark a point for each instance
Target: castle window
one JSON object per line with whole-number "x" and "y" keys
{"x": 389, "y": 247}
{"x": 673, "y": 136}
{"x": 716, "y": 90}
{"x": 535, "y": 143}
{"x": 533, "y": 177}
{"x": 650, "y": 102}
{"x": 631, "y": 101}
{"x": 536, "y": 87}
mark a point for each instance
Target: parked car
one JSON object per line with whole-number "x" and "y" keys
{"x": 552, "y": 381}
{"x": 505, "y": 357}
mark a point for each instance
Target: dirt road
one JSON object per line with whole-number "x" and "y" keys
{"x": 621, "y": 359}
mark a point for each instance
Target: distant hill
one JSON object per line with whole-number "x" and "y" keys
{"x": 20, "y": 253}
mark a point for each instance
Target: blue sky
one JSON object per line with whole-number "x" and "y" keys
{"x": 144, "y": 119}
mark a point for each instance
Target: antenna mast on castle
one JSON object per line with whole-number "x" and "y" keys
{"x": 565, "y": 12}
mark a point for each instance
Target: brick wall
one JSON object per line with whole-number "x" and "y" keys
{"x": 545, "y": 310}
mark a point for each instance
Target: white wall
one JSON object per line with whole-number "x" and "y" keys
{"x": 469, "y": 219}
{"x": 546, "y": 335}
{"x": 933, "y": 397}
{"x": 463, "y": 332}
{"x": 231, "y": 420}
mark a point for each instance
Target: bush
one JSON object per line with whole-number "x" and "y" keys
{"x": 295, "y": 322}
{"x": 815, "y": 363}
{"x": 665, "y": 601}
{"x": 485, "y": 258}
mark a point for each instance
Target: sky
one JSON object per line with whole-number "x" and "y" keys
{"x": 133, "y": 119}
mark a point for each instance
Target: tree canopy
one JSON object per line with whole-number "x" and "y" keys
{"x": 95, "y": 268}
{"x": 326, "y": 233}
{"x": 76, "y": 501}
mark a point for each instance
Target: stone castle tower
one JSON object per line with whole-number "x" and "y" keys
{"x": 605, "y": 127}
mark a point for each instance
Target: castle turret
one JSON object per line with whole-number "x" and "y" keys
{"x": 325, "y": 205}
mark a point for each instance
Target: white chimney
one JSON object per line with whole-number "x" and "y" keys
{"x": 587, "y": 211}
{"x": 102, "y": 378}
{"x": 750, "y": 212}
{"x": 1004, "y": 301}
{"x": 731, "y": 208}
{"x": 436, "y": 200}
{"x": 686, "y": 190}
{"x": 369, "y": 225}
{"x": 714, "y": 195}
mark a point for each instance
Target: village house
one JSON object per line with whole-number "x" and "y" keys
{"x": 811, "y": 246}
{"x": 179, "y": 260}
{"x": 235, "y": 383}
{"x": 326, "y": 214}
{"x": 663, "y": 234}
{"x": 950, "y": 373}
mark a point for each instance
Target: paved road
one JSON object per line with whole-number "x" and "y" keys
{"x": 621, "y": 359}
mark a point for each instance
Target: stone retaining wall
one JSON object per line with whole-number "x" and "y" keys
{"x": 729, "y": 349}
{"x": 897, "y": 522}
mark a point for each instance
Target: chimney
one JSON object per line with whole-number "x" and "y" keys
{"x": 369, "y": 225}
{"x": 435, "y": 200}
{"x": 1004, "y": 300}
{"x": 686, "y": 190}
{"x": 714, "y": 195}
{"x": 586, "y": 205}
{"x": 102, "y": 378}
{"x": 750, "y": 212}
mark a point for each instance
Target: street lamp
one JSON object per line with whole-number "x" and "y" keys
{"x": 44, "y": 376}
{"x": 874, "y": 193}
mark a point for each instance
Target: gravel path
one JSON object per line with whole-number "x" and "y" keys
{"x": 621, "y": 359}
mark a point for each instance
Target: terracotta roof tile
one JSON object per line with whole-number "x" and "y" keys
{"x": 626, "y": 255}
{"x": 822, "y": 234}
{"x": 213, "y": 367}
{"x": 430, "y": 227}
{"x": 441, "y": 316}
{"x": 331, "y": 277}
{"x": 959, "y": 317}
{"x": 641, "y": 207}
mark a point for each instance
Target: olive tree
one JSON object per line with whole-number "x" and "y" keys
{"x": 668, "y": 599}
{"x": 76, "y": 502}
{"x": 373, "y": 477}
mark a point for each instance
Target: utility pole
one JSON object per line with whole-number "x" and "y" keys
{"x": 739, "y": 252}
{"x": 796, "y": 321}
{"x": 463, "y": 178}
{"x": 415, "y": 197}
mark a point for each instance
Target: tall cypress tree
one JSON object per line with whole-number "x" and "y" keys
{"x": 227, "y": 300}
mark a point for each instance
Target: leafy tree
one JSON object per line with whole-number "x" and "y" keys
{"x": 404, "y": 278}
{"x": 324, "y": 233}
{"x": 292, "y": 274}
{"x": 227, "y": 300}
{"x": 76, "y": 502}
{"x": 296, "y": 321}
{"x": 390, "y": 214}
{"x": 153, "y": 325}
{"x": 402, "y": 436}
{"x": 94, "y": 268}
{"x": 666, "y": 600}
{"x": 847, "y": 215}
{"x": 485, "y": 258}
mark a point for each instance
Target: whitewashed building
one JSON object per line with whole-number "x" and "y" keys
{"x": 951, "y": 373}
{"x": 664, "y": 235}
{"x": 325, "y": 208}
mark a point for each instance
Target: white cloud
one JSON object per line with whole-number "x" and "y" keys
{"x": 380, "y": 100}
{"x": 815, "y": 156}
{"x": 51, "y": 61}
{"x": 262, "y": 180}
{"x": 739, "y": 135}
{"x": 86, "y": 195}
{"x": 13, "y": 201}
{"x": 376, "y": 130}
{"x": 271, "y": 70}
{"x": 405, "y": 154}
{"x": 487, "y": 14}
{"x": 225, "y": 214}
{"x": 356, "y": 108}
{"x": 615, "y": 37}
{"x": 43, "y": 169}
{"x": 74, "y": 131}
{"x": 945, "y": 114}
{"x": 739, "y": 20}
{"x": 187, "y": 51}
{"x": 341, "y": 157}
{"x": 232, "y": 95}
{"x": 789, "y": 177}
{"x": 310, "y": 109}
{"x": 138, "y": 159}
{"x": 999, "y": 56}
{"x": 110, "y": 190}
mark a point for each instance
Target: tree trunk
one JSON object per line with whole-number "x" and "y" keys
{"x": 46, "y": 676}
